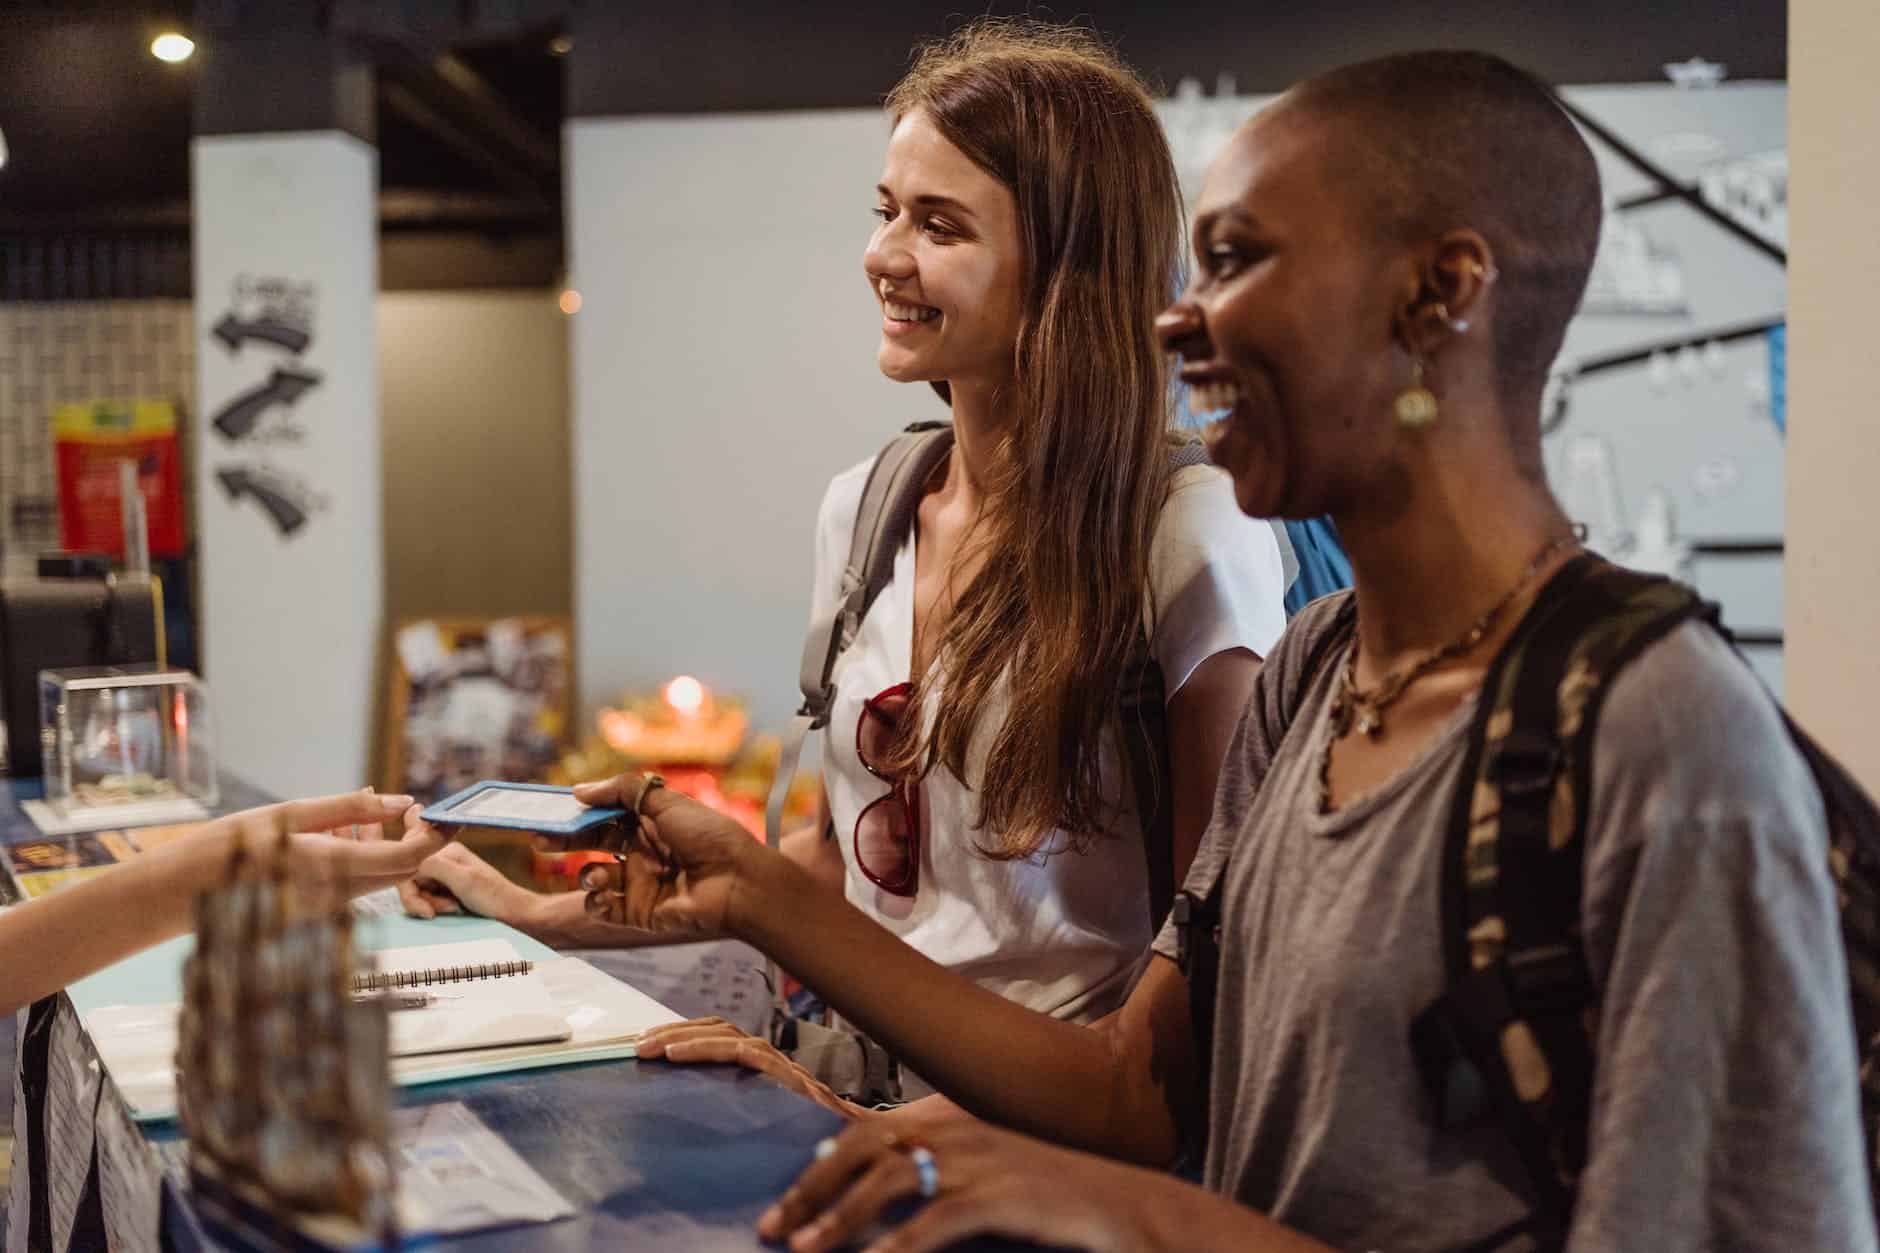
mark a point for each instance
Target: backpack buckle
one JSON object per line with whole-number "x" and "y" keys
{"x": 1182, "y": 914}
{"x": 1195, "y": 921}
{"x": 1525, "y": 762}
{"x": 1548, "y": 981}
{"x": 816, "y": 708}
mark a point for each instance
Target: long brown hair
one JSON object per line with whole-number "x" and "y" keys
{"x": 1079, "y": 482}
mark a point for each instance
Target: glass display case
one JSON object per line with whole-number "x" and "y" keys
{"x": 120, "y": 740}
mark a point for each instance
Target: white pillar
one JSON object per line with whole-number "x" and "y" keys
{"x": 287, "y": 469}
{"x": 1832, "y": 667}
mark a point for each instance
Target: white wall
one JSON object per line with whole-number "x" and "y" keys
{"x": 1834, "y": 454}
{"x": 723, "y": 371}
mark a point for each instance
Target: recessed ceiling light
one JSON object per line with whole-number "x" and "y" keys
{"x": 560, "y": 46}
{"x": 172, "y": 47}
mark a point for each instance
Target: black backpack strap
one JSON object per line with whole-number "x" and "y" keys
{"x": 1197, "y": 916}
{"x": 1143, "y": 725}
{"x": 1854, "y": 862}
{"x": 1512, "y": 1036}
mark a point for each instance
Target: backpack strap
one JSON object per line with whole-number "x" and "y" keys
{"x": 1142, "y": 722}
{"x": 1854, "y": 863}
{"x": 890, "y": 498}
{"x": 1512, "y": 1035}
{"x": 1197, "y": 916}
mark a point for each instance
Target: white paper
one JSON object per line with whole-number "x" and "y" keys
{"x": 421, "y": 650}
{"x": 476, "y": 1013}
{"x": 521, "y": 805}
{"x": 104, "y": 817}
{"x": 383, "y": 903}
{"x": 456, "y": 1175}
{"x": 599, "y": 1018}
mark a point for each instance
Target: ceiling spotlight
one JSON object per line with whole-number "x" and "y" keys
{"x": 172, "y": 47}
{"x": 560, "y": 46}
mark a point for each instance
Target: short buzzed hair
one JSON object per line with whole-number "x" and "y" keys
{"x": 1447, "y": 140}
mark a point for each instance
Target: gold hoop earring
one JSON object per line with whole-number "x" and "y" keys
{"x": 1416, "y": 404}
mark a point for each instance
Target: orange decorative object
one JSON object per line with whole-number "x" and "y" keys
{"x": 683, "y": 723}
{"x": 689, "y": 735}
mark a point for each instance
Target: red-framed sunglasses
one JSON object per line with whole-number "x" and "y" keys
{"x": 887, "y": 831}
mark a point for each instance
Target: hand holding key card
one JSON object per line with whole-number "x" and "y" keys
{"x": 675, "y": 872}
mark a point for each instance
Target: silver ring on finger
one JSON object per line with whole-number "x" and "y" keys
{"x": 928, "y": 1170}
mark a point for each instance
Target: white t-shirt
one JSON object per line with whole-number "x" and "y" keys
{"x": 1061, "y": 934}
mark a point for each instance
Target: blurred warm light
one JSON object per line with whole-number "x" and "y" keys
{"x": 3, "y": 150}
{"x": 685, "y": 694}
{"x": 560, "y": 46}
{"x": 571, "y": 301}
{"x": 621, "y": 730}
{"x": 172, "y": 47}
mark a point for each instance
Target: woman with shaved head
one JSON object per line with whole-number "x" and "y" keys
{"x": 1388, "y": 258}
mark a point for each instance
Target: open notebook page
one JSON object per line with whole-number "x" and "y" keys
{"x": 472, "y": 1013}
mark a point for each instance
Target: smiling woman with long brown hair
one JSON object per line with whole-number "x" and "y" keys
{"x": 979, "y": 802}
{"x": 1029, "y": 226}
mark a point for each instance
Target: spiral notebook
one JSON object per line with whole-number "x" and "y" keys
{"x": 488, "y": 1010}
{"x": 479, "y": 994}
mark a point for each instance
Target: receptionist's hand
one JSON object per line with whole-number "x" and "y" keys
{"x": 709, "y": 1040}
{"x": 679, "y": 872}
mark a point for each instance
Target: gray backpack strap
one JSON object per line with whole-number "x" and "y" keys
{"x": 853, "y": 1066}
{"x": 890, "y": 499}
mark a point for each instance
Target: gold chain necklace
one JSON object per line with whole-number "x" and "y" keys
{"x": 1363, "y": 711}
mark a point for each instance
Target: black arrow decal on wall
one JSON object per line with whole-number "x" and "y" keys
{"x": 240, "y": 481}
{"x": 237, "y": 418}
{"x": 231, "y": 330}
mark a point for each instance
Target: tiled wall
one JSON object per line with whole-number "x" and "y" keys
{"x": 60, "y": 353}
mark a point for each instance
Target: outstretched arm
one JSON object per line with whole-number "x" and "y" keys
{"x": 1124, "y": 1092}
{"x": 49, "y": 942}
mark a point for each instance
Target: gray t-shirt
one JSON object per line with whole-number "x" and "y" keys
{"x": 1726, "y": 1104}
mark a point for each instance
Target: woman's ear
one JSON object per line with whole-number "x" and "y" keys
{"x": 1461, "y": 272}
{"x": 1451, "y": 291}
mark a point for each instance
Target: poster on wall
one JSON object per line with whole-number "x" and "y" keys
{"x": 92, "y": 442}
{"x": 474, "y": 699}
{"x": 268, "y": 323}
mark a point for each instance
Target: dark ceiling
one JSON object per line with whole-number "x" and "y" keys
{"x": 470, "y": 96}
{"x": 93, "y": 121}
